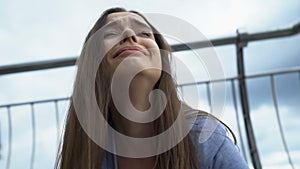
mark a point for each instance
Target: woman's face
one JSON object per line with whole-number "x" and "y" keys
{"x": 127, "y": 35}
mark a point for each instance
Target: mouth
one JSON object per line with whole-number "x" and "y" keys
{"x": 129, "y": 50}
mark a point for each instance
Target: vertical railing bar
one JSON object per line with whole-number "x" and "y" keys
{"x": 299, "y": 76}
{"x": 209, "y": 96}
{"x": 275, "y": 101}
{"x": 0, "y": 141}
{"x": 33, "y": 136}
{"x": 57, "y": 122}
{"x": 9, "y": 137}
{"x": 181, "y": 91}
{"x": 244, "y": 102}
{"x": 237, "y": 118}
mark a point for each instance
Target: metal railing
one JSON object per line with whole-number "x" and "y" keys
{"x": 8, "y": 107}
{"x": 240, "y": 41}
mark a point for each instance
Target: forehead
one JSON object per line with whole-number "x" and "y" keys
{"x": 124, "y": 16}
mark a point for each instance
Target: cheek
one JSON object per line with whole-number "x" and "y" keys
{"x": 156, "y": 53}
{"x": 157, "y": 60}
{"x": 152, "y": 47}
{"x": 108, "y": 45}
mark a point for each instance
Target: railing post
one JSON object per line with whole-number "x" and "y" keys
{"x": 244, "y": 102}
{"x": 33, "y": 136}
{"x": 9, "y": 137}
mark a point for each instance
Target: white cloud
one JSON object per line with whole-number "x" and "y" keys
{"x": 33, "y": 30}
{"x": 277, "y": 160}
{"x": 55, "y": 83}
{"x": 269, "y": 142}
{"x": 22, "y": 132}
{"x": 266, "y": 130}
{"x": 47, "y": 29}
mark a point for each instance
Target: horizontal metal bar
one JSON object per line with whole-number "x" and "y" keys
{"x": 35, "y": 102}
{"x": 291, "y": 70}
{"x": 284, "y": 71}
{"x": 30, "y": 66}
{"x": 243, "y": 38}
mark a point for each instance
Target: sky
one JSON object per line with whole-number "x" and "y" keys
{"x": 44, "y": 30}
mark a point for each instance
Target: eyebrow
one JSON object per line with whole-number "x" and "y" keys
{"x": 141, "y": 23}
{"x": 135, "y": 21}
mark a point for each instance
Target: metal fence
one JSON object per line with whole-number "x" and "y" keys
{"x": 237, "y": 85}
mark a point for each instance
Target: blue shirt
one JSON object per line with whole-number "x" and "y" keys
{"x": 214, "y": 149}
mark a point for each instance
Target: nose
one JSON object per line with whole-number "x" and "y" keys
{"x": 129, "y": 35}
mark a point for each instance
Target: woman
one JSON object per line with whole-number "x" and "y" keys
{"x": 129, "y": 47}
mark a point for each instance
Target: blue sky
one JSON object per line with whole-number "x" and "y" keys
{"x": 41, "y": 30}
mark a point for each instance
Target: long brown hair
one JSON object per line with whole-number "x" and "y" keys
{"x": 79, "y": 151}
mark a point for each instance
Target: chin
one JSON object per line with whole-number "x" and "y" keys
{"x": 150, "y": 75}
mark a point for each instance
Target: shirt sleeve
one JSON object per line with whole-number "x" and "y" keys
{"x": 214, "y": 149}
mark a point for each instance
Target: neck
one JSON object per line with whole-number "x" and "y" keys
{"x": 136, "y": 163}
{"x": 139, "y": 91}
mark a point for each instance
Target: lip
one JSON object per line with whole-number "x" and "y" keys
{"x": 130, "y": 50}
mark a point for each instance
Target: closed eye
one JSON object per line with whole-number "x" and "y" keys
{"x": 110, "y": 34}
{"x": 145, "y": 34}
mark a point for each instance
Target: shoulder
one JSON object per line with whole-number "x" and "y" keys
{"x": 214, "y": 148}
{"x": 207, "y": 127}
